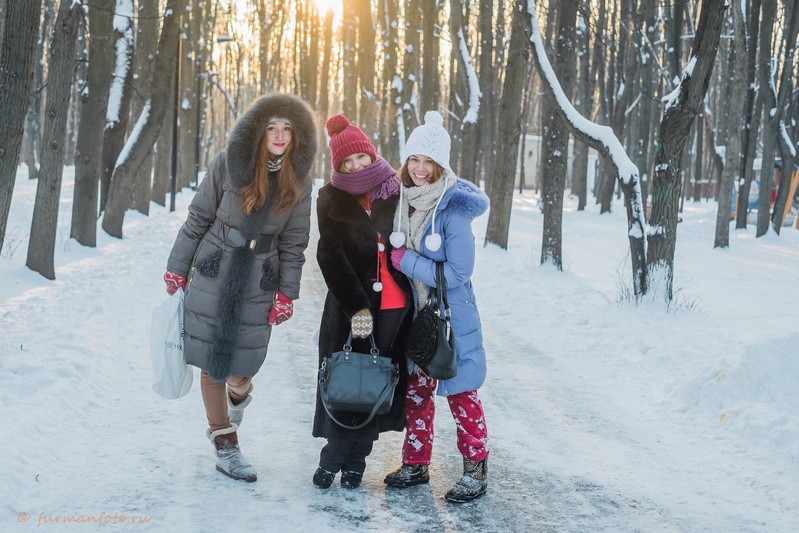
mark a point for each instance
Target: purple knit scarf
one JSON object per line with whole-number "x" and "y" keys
{"x": 379, "y": 177}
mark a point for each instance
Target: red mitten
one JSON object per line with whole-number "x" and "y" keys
{"x": 396, "y": 256}
{"x": 173, "y": 282}
{"x": 282, "y": 309}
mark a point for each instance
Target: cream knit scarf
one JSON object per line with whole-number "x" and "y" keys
{"x": 423, "y": 200}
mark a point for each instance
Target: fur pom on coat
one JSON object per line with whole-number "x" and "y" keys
{"x": 231, "y": 289}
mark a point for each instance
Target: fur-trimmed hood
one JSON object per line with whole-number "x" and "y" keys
{"x": 249, "y": 129}
{"x": 466, "y": 198}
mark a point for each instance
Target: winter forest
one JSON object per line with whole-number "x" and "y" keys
{"x": 674, "y": 102}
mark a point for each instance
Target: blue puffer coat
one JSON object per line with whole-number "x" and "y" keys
{"x": 460, "y": 205}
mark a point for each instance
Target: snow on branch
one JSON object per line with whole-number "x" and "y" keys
{"x": 474, "y": 86}
{"x": 673, "y": 98}
{"x": 786, "y": 139}
{"x": 628, "y": 172}
{"x": 123, "y": 23}
{"x": 134, "y": 134}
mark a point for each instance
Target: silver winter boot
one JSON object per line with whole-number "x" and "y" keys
{"x": 236, "y": 411}
{"x": 229, "y": 459}
{"x": 473, "y": 484}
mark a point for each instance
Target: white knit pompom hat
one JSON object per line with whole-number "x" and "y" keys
{"x": 430, "y": 140}
{"x": 433, "y": 141}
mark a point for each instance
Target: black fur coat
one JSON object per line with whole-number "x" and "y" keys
{"x": 347, "y": 256}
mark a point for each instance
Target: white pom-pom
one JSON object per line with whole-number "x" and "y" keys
{"x": 381, "y": 247}
{"x": 434, "y": 118}
{"x": 377, "y": 286}
{"x": 433, "y": 242}
{"x": 397, "y": 239}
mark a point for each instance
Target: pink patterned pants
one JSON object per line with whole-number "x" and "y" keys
{"x": 419, "y": 413}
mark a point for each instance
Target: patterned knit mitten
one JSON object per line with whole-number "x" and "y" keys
{"x": 362, "y": 324}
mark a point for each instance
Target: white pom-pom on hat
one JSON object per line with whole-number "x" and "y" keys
{"x": 434, "y": 118}
{"x": 377, "y": 286}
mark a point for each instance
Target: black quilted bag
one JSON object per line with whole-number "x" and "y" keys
{"x": 431, "y": 342}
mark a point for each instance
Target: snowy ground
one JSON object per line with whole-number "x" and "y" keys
{"x": 602, "y": 416}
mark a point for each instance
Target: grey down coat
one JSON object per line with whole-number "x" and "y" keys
{"x": 231, "y": 288}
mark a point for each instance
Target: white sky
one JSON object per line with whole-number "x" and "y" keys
{"x": 602, "y": 417}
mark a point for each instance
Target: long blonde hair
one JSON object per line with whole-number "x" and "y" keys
{"x": 255, "y": 193}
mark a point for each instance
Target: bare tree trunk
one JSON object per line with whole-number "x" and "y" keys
{"x": 162, "y": 160}
{"x": 429, "y": 89}
{"x": 20, "y": 22}
{"x": 648, "y": 18}
{"x": 410, "y": 70}
{"x": 144, "y": 53}
{"x": 31, "y": 148}
{"x": 487, "y": 74}
{"x": 265, "y": 25}
{"x": 698, "y": 156}
{"x": 579, "y": 185}
{"x": 781, "y": 137}
{"x": 94, "y": 105}
{"x": 752, "y": 115}
{"x": 350, "y": 52}
{"x": 324, "y": 93}
{"x": 674, "y": 129}
{"x": 556, "y": 147}
{"x": 735, "y": 118}
{"x": 509, "y": 129}
{"x": 144, "y": 134}
{"x": 367, "y": 116}
{"x": 392, "y": 82}
{"x": 61, "y": 70}
{"x": 187, "y": 109}
{"x": 118, "y": 116}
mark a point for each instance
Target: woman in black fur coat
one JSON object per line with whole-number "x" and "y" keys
{"x": 366, "y": 294}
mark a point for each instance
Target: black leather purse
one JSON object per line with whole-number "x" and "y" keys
{"x": 431, "y": 342}
{"x": 357, "y": 383}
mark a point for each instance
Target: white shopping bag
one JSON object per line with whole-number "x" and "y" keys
{"x": 173, "y": 376}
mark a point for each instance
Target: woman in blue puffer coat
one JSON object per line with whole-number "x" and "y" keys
{"x": 433, "y": 224}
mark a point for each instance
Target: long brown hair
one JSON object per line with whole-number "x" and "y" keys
{"x": 407, "y": 181}
{"x": 255, "y": 193}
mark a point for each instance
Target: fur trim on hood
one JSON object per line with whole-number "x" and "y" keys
{"x": 243, "y": 142}
{"x": 466, "y": 198}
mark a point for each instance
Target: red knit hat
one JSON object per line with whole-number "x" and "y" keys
{"x": 347, "y": 139}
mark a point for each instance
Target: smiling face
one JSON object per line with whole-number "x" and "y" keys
{"x": 355, "y": 162}
{"x": 422, "y": 170}
{"x": 278, "y": 137}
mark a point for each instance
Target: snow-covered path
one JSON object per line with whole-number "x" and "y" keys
{"x": 596, "y": 423}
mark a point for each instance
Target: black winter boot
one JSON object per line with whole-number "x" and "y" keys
{"x": 322, "y": 478}
{"x": 473, "y": 484}
{"x": 351, "y": 479}
{"x": 407, "y": 476}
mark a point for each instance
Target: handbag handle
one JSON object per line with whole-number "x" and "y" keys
{"x": 372, "y": 351}
{"x": 441, "y": 286}
{"x": 387, "y": 390}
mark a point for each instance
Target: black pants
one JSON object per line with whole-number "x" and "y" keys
{"x": 344, "y": 455}
{"x": 350, "y": 454}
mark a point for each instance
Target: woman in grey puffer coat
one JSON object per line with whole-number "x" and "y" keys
{"x": 239, "y": 256}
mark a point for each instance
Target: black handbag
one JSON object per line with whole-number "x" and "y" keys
{"x": 431, "y": 341}
{"x": 357, "y": 383}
